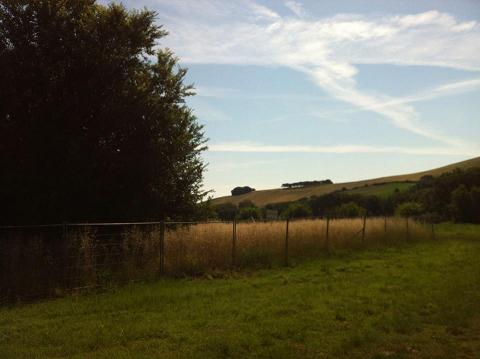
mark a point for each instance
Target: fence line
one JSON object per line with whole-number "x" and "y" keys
{"x": 234, "y": 243}
{"x": 35, "y": 264}
{"x": 286, "y": 243}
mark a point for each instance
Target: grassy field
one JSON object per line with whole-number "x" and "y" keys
{"x": 89, "y": 258}
{"x": 415, "y": 300}
{"x": 263, "y": 197}
{"x": 383, "y": 190}
{"x": 206, "y": 247}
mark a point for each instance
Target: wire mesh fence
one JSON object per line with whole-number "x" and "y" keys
{"x": 51, "y": 260}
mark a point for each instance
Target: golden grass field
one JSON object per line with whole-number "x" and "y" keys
{"x": 92, "y": 257}
{"x": 263, "y": 197}
{"x": 204, "y": 247}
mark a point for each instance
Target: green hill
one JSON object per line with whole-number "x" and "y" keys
{"x": 263, "y": 197}
{"x": 383, "y": 190}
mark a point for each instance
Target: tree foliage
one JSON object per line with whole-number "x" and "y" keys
{"x": 93, "y": 122}
{"x": 306, "y": 184}
{"x": 409, "y": 209}
{"x": 450, "y": 196}
{"x": 226, "y": 211}
{"x": 349, "y": 210}
{"x": 465, "y": 204}
{"x": 246, "y": 213}
{"x": 237, "y": 191}
{"x": 297, "y": 210}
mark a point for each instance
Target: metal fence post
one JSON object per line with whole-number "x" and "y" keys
{"x": 286, "y": 243}
{"x": 234, "y": 242}
{"x": 363, "y": 229}
{"x": 162, "y": 248}
{"x": 327, "y": 239}
{"x": 64, "y": 232}
{"x": 408, "y": 231}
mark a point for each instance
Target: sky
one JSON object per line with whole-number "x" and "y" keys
{"x": 299, "y": 90}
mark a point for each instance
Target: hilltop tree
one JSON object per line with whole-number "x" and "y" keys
{"x": 237, "y": 191}
{"x": 306, "y": 184}
{"x": 93, "y": 121}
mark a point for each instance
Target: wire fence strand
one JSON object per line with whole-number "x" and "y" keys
{"x": 38, "y": 261}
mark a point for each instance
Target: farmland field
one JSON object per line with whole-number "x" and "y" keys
{"x": 266, "y": 196}
{"x": 383, "y": 190}
{"x": 34, "y": 265}
{"x": 415, "y": 300}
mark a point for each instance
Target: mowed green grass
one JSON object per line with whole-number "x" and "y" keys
{"x": 383, "y": 190}
{"x": 416, "y": 300}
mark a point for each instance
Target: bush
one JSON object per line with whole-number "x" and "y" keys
{"x": 297, "y": 210}
{"x": 465, "y": 204}
{"x": 249, "y": 213}
{"x": 246, "y": 203}
{"x": 226, "y": 211}
{"x": 205, "y": 211}
{"x": 350, "y": 210}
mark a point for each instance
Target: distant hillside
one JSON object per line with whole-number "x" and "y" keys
{"x": 263, "y": 197}
{"x": 383, "y": 190}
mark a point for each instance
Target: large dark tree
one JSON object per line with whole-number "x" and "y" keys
{"x": 93, "y": 123}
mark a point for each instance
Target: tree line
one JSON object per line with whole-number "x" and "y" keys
{"x": 453, "y": 196}
{"x": 302, "y": 184}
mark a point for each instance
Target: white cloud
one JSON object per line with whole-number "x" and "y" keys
{"x": 251, "y": 147}
{"x": 295, "y": 7}
{"x": 262, "y": 12}
{"x": 243, "y": 32}
{"x": 327, "y": 49}
{"x": 433, "y": 18}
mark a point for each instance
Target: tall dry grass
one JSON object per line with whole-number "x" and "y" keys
{"x": 203, "y": 247}
{"x": 44, "y": 264}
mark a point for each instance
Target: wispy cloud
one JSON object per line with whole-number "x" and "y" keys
{"x": 450, "y": 89}
{"x": 399, "y": 112}
{"x": 243, "y": 32}
{"x": 328, "y": 49}
{"x": 207, "y": 113}
{"x": 339, "y": 149}
{"x": 296, "y": 8}
{"x": 217, "y": 92}
{"x": 236, "y": 94}
{"x": 307, "y": 115}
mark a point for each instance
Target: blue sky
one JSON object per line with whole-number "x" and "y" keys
{"x": 347, "y": 90}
